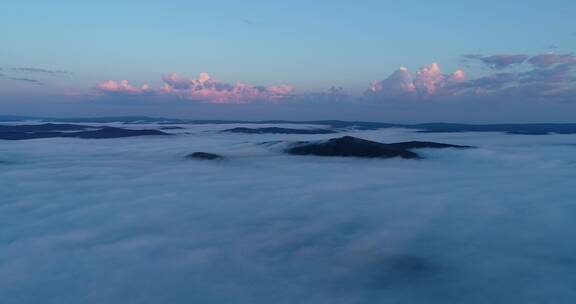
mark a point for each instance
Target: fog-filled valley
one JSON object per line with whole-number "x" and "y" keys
{"x": 132, "y": 220}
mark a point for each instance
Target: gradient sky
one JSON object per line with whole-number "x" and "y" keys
{"x": 66, "y": 51}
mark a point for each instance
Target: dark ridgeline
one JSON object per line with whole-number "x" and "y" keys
{"x": 276, "y": 130}
{"x": 426, "y": 144}
{"x": 349, "y": 146}
{"x": 521, "y": 128}
{"x": 205, "y": 156}
{"x": 44, "y": 127}
{"x": 23, "y": 132}
{"x": 172, "y": 128}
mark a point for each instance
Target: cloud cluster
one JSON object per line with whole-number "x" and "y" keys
{"x": 509, "y": 76}
{"x": 540, "y": 77}
{"x": 428, "y": 81}
{"x": 544, "y": 76}
{"x": 204, "y": 89}
{"x": 123, "y": 87}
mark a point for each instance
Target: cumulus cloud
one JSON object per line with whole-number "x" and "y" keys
{"x": 429, "y": 81}
{"x": 545, "y": 76}
{"x": 122, "y": 87}
{"x": 539, "y": 76}
{"x": 204, "y": 89}
{"x": 400, "y": 83}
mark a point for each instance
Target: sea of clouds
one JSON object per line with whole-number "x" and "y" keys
{"x": 132, "y": 221}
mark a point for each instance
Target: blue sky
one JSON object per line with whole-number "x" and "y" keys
{"x": 309, "y": 45}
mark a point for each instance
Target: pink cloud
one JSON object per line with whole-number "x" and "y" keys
{"x": 457, "y": 76}
{"x": 122, "y": 87}
{"x": 542, "y": 77}
{"x": 539, "y": 77}
{"x": 429, "y": 81}
{"x": 204, "y": 88}
{"x": 400, "y": 83}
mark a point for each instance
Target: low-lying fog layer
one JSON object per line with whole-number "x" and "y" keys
{"x": 132, "y": 221}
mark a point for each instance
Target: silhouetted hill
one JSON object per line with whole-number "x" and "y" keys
{"x": 205, "y": 156}
{"x": 275, "y": 130}
{"x": 23, "y": 132}
{"x": 349, "y": 146}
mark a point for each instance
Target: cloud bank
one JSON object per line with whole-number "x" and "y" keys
{"x": 499, "y": 61}
{"x": 509, "y": 77}
{"x": 547, "y": 60}
{"x": 123, "y": 87}
{"x": 131, "y": 221}
{"x": 204, "y": 88}
{"x": 541, "y": 77}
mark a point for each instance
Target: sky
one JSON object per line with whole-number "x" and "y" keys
{"x": 373, "y": 60}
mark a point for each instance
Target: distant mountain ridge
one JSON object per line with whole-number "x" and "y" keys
{"x": 440, "y": 127}
{"x": 51, "y": 130}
